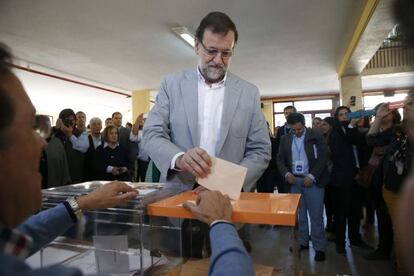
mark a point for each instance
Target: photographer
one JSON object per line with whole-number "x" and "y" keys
{"x": 67, "y": 141}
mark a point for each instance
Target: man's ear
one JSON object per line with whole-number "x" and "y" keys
{"x": 196, "y": 46}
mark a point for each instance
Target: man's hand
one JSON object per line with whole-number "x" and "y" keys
{"x": 200, "y": 189}
{"x": 115, "y": 171}
{"x": 195, "y": 161}
{"x": 290, "y": 178}
{"x": 307, "y": 181}
{"x": 106, "y": 196}
{"x": 354, "y": 122}
{"x": 382, "y": 111}
{"x": 211, "y": 206}
{"x": 67, "y": 130}
{"x": 140, "y": 119}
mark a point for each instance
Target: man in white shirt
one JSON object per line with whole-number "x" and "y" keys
{"x": 207, "y": 111}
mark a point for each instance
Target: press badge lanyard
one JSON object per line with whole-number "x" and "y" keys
{"x": 298, "y": 168}
{"x": 298, "y": 149}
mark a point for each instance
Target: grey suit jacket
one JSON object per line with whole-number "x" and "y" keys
{"x": 172, "y": 127}
{"x": 318, "y": 164}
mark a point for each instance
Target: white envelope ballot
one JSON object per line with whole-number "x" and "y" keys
{"x": 226, "y": 177}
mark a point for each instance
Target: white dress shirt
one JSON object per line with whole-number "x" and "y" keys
{"x": 210, "y": 110}
{"x": 80, "y": 143}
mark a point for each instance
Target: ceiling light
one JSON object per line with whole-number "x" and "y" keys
{"x": 184, "y": 34}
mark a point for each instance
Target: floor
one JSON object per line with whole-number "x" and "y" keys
{"x": 270, "y": 246}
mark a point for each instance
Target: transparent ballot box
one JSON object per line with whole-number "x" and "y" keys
{"x": 111, "y": 241}
{"x": 184, "y": 241}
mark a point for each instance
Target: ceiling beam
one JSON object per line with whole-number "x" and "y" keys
{"x": 363, "y": 21}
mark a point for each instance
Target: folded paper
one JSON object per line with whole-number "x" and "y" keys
{"x": 226, "y": 177}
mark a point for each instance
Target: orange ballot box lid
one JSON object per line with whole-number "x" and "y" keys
{"x": 260, "y": 208}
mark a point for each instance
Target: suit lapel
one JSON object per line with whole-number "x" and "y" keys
{"x": 232, "y": 94}
{"x": 289, "y": 149}
{"x": 189, "y": 93}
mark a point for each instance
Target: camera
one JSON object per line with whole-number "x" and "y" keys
{"x": 68, "y": 122}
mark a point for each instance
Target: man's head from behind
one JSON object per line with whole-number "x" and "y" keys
{"x": 20, "y": 149}
{"x": 216, "y": 37}
{"x": 296, "y": 121}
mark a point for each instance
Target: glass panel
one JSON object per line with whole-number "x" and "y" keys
{"x": 278, "y": 107}
{"x": 279, "y": 120}
{"x": 323, "y": 115}
{"x": 370, "y": 101}
{"x": 308, "y": 120}
{"x": 313, "y": 105}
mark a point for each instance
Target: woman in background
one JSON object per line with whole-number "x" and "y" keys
{"x": 112, "y": 158}
{"x": 326, "y": 128}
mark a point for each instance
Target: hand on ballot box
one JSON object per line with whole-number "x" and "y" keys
{"x": 107, "y": 196}
{"x": 210, "y": 206}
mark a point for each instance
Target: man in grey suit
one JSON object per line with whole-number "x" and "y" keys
{"x": 207, "y": 111}
{"x": 302, "y": 161}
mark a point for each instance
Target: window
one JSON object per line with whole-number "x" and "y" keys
{"x": 371, "y": 101}
{"x": 309, "y": 108}
{"x": 313, "y": 105}
{"x": 278, "y": 107}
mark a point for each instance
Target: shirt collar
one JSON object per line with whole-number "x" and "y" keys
{"x": 107, "y": 145}
{"x": 15, "y": 243}
{"x": 301, "y": 137}
{"x": 217, "y": 85}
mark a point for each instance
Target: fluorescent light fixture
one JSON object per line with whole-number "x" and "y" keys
{"x": 184, "y": 34}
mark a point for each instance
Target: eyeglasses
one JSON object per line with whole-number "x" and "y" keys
{"x": 214, "y": 52}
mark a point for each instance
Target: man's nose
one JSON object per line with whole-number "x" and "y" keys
{"x": 218, "y": 59}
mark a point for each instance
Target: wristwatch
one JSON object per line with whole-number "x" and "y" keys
{"x": 75, "y": 206}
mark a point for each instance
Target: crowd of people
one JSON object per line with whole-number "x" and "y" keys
{"x": 345, "y": 167}
{"x": 77, "y": 152}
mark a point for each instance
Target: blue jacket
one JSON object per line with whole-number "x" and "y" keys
{"x": 229, "y": 257}
{"x": 43, "y": 228}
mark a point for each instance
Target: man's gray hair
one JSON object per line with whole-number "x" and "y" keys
{"x": 95, "y": 119}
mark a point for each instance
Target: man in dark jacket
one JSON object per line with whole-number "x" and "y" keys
{"x": 302, "y": 161}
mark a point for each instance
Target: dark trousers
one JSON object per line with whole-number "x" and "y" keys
{"x": 266, "y": 183}
{"x": 282, "y": 186}
{"x": 328, "y": 200}
{"x": 142, "y": 170}
{"x": 385, "y": 232}
{"x": 347, "y": 211}
{"x": 368, "y": 202}
{"x": 194, "y": 237}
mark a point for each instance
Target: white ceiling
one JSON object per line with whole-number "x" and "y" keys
{"x": 286, "y": 47}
